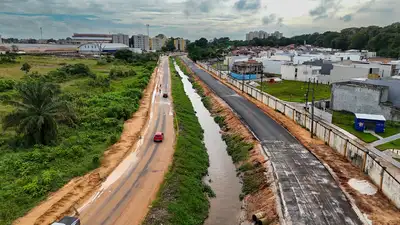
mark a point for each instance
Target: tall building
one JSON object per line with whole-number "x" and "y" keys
{"x": 1, "y": 40}
{"x": 157, "y": 43}
{"x": 141, "y": 41}
{"x": 180, "y": 44}
{"x": 89, "y": 38}
{"x": 256, "y": 34}
{"x": 120, "y": 38}
{"x": 277, "y": 34}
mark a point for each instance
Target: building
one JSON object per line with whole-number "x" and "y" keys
{"x": 256, "y": 34}
{"x": 4, "y": 50}
{"x": 90, "y": 38}
{"x": 180, "y": 44}
{"x": 367, "y": 98}
{"x": 372, "y": 122}
{"x": 1, "y": 40}
{"x": 120, "y": 38}
{"x": 141, "y": 41}
{"x": 94, "y": 48}
{"x": 247, "y": 70}
{"x": 300, "y": 72}
{"x": 157, "y": 43}
{"x": 277, "y": 34}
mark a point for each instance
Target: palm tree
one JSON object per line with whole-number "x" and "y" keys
{"x": 38, "y": 112}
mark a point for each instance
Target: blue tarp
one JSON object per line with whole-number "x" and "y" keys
{"x": 244, "y": 77}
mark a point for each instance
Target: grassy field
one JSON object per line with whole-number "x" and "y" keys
{"x": 29, "y": 173}
{"x": 182, "y": 197}
{"x": 294, "y": 91}
{"x": 45, "y": 64}
{"x": 345, "y": 120}
{"x": 390, "y": 145}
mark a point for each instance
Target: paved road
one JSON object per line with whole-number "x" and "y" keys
{"x": 127, "y": 200}
{"x": 310, "y": 194}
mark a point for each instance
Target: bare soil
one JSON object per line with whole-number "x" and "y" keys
{"x": 79, "y": 190}
{"x": 378, "y": 207}
{"x": 264, "y": 199}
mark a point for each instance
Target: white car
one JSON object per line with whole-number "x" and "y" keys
{"x": 68, "y": 220}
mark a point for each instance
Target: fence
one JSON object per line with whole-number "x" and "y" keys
{"x": 358, "y": 155}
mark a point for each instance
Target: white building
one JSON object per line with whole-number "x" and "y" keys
{"x": 141, "y": 41}
{"x": 300, "y": 72}
{"x": 157, "y": 43}
{"x": 1, "y": 40}
{"x": 94, "y": 48}
{"x": 120, "y": 38}
{"x": 271, "y": 66}
{"x": 229, "y": 60}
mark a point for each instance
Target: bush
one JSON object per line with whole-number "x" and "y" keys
{"x": 6, "y": 85}
{"x": 117, "y": 72}
{"x": 101, "y": 62}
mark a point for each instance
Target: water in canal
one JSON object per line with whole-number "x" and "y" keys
{"x": 225, "y": 207}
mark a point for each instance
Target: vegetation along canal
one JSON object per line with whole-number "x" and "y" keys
{"x": 225, "y": 207}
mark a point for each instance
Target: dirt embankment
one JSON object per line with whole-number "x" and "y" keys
{"x": 378, "y": 207}
{"x": 263, "y": 199}
{"x": 80, "y": 189}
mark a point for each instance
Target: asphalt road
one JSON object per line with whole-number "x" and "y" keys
{"x": 126, "y": 201}
{"x": 309, "y": 193}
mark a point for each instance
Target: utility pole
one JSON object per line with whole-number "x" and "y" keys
{"x": 308, "y": 90}
{"x": 262, "y": 90}
{"x": 242, "y": 82}
{"x": 312, "y": 110}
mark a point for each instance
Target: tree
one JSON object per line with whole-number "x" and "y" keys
{"x": 26, "y": 68}
{"x": 39, "y": 112}
{"x": 14, "y": 48}
{"x": 169, "y": 46}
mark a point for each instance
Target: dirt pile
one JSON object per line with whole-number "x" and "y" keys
{"x": 254, "y": 171}
{"x": 378, "y": 207}
{"x": 80, "y": 189}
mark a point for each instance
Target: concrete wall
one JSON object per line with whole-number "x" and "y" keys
{"x": 358, "y": 155}
{"x": 356, "y": 99}
{"x": 361, "y": 99}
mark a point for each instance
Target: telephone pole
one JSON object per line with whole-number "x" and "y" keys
{"x": 308, "y": 90}
{"x": 312, "y": 109}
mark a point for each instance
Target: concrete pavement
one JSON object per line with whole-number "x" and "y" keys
{"x": 385, "y": 140}
{"x": 309, "y": 193}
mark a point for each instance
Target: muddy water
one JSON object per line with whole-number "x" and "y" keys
{"x": 225, "y": 207}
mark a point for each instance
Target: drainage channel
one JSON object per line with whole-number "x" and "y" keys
{"x": 225, "y": 207}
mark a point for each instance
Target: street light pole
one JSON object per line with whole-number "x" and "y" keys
{"x": 312, "y": 109}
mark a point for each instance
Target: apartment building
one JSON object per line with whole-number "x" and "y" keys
{"x": 141, "y": 41}
{"x": 120, "y": 38}
{"x": 180, "y": 44}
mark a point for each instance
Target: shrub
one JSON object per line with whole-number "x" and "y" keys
{"x": 6, "y": 85}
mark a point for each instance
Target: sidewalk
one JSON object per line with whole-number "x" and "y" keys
{"x": 385, "y": 140}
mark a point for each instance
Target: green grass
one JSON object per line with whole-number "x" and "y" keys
{"x": 45, "y": 64}
{"x": 390, "y": 145}
{"x": 345, "y": 120}
{"x": 29, "y": 173}
{"x": 294, "y": 91}
{"x": 182, "y": 198}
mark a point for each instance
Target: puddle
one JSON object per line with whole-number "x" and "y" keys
{"x": 225, "y": 207}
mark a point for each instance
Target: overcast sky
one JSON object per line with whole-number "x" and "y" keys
{"x": 190, "y": 19}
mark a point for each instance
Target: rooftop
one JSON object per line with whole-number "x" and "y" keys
{"x": 370, "y": 117}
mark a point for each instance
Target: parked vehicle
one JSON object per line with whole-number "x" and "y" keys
{"x": 158, "y": 137}
{"x": 165, "y": 95}
{"x": 68, "y": 220}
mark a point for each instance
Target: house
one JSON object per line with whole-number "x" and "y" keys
{"x": 318, "y": 69}
{"x": 366, "y": 97}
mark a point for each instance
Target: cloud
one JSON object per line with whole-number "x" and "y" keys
{"x": 347, "y": 18}
{"x": 247, "y": 5}
{"x": 272, "y": 19}
{"x": 325, "y": 9}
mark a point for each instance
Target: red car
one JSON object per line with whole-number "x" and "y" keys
{"x": 158, "y": 137}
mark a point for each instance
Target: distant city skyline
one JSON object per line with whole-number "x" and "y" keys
{"x": 189, "y": 18}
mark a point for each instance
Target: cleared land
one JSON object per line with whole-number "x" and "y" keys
{"x": 345, "y": 120}
{"x": 294, "y": 91}
{"x": 102, "y": 102}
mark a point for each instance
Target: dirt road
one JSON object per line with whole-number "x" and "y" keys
{"x": 126, "y": 200}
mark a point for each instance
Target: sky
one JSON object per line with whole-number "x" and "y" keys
{"x": 190, "y": 19}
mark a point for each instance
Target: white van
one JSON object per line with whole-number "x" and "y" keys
{"x": 68, "y": 220}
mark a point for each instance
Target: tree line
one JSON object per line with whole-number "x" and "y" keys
{"x": 383, "y": 40}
